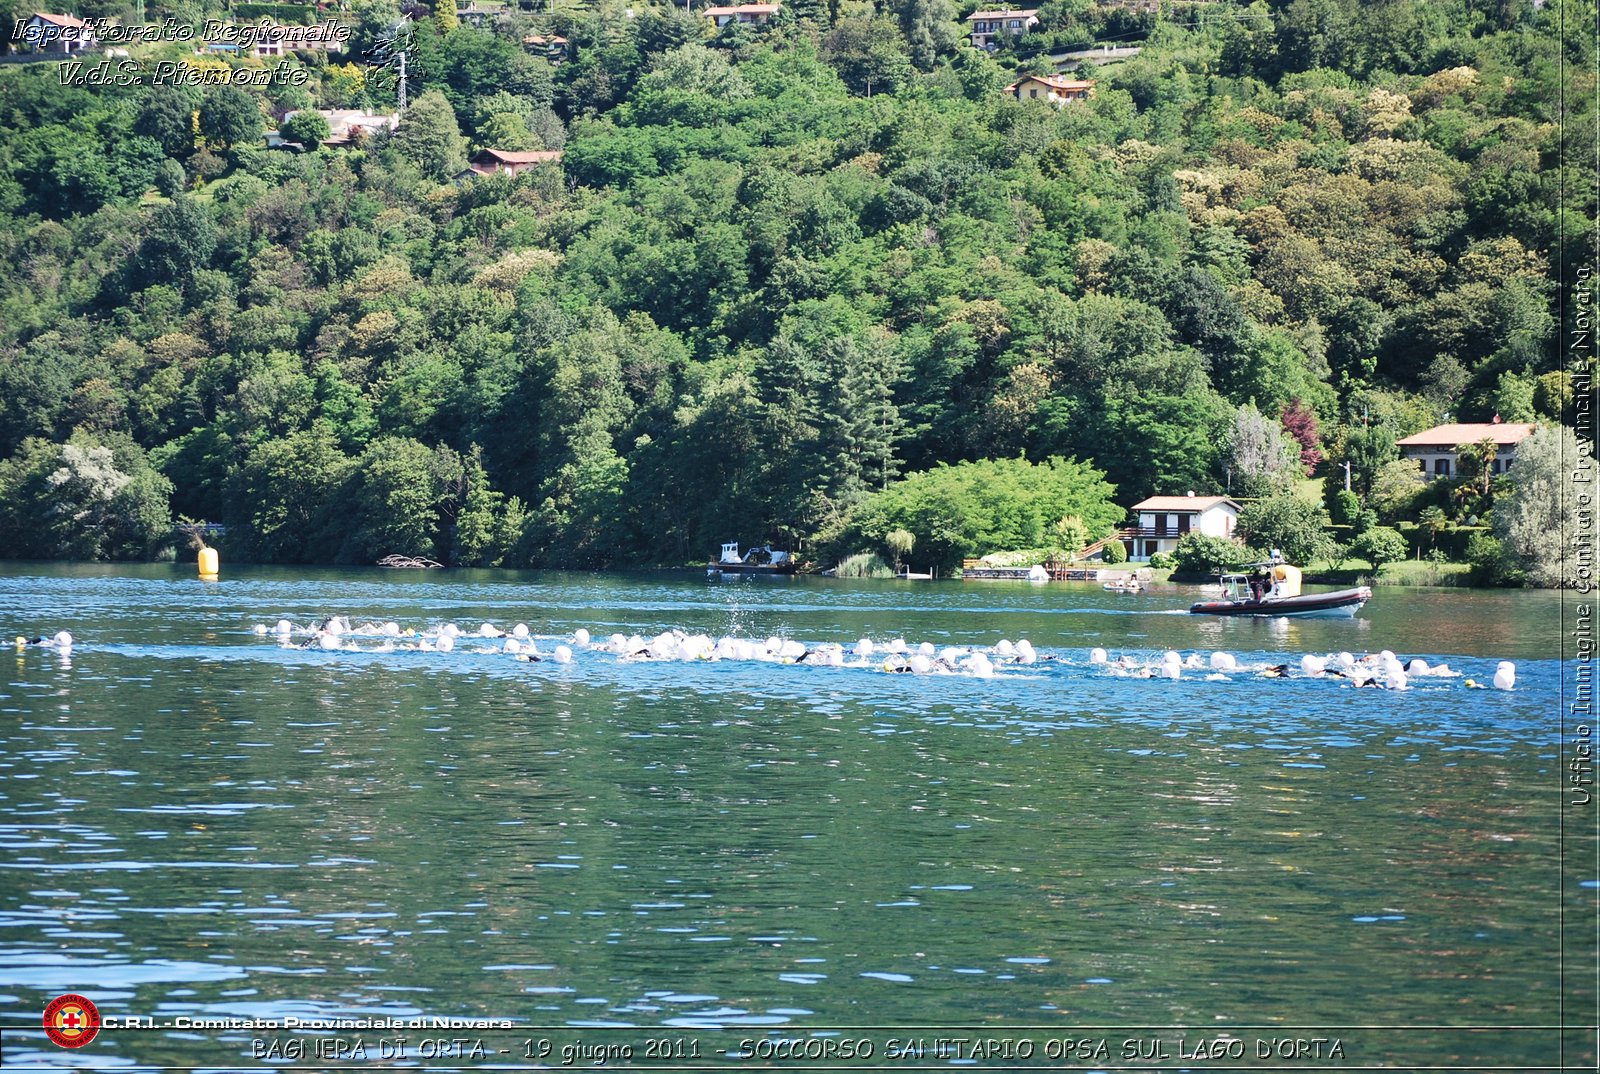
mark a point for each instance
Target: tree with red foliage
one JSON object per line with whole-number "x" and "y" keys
{"x": 1301, "y": 423}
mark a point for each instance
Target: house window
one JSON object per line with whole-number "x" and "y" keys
{"x": 1033, "y": 92}
{"x": 1015, "y": 24}
{"x": 1184, "y": 522}
{"x": 1441, "y": 467}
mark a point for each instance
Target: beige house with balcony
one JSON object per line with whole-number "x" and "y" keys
{"x": 988, "y": 27}
{"x": 1434, "y": 450}
{"x": 751, "y": 14}
{"x": 1054, "y": 89}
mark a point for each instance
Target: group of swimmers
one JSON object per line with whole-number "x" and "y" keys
{"x": 337, "y": 632}
{"x": 1381, "y": 670}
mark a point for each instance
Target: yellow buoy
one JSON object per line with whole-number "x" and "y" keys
{"x": 208, "y": 563}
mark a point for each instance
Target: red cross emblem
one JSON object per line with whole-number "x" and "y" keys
{"x": 71, "y": 1021}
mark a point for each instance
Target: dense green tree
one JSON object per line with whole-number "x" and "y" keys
{"x": 286, "y": 503}
{"x": 975, "y": 508}
{"x": 444, "y": 16}
{"x": 1368, "y": 448}
{"x": 1164, "y": 443}
{"x": 78, "y": 500}
{"x": 1197, "y": 553}
{"x": 308, "y": 127}
{"x": 581, "y": 517}
{"x": 179, "y": 243}
{"x": 1295, "y": 526}
{"x": 430, "y": 138}
{"x": 869, "y": 54}
{"x": 1380, "y": 545}
{"x": 1395, "y": 490}
{"x": 229, "y": 117}
{"x": 404, "y": 494}
{"x": 170, "y": 178}
{"x": 199, "y": 464}
{"x": 488, "y": 527}
{"x": 929, "y": 27}
{"x": 1513, "y": 397}
{"x": 167, "y": 117}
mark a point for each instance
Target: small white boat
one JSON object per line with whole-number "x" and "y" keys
{"x": 762, "y": 559}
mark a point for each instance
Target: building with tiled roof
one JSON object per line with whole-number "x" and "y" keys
{"x": 48, "y": 32}
{"x": 1052, "y": 88}
{"x": 1163, "y": 520}
{"x": 988, "y": 26}
{"x": 755, "y": 14}
{"x": 1434, "y": 450}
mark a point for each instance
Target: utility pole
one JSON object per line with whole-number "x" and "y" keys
{"x": 402, "y": 81}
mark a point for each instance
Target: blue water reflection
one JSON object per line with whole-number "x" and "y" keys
{"x": 196, "y": 820}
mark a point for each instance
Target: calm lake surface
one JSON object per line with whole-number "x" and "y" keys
{"x": 200, "y": 822}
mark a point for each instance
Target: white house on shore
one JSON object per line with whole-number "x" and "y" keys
{"x": 1162, "y": 520}
{"x": 1434, "y": 450}
{"x": 46, "y": 32}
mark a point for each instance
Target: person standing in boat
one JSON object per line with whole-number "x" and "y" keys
{"x": 1262, "y": 582}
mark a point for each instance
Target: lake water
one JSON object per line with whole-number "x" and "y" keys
{"x": 199, "y": 822}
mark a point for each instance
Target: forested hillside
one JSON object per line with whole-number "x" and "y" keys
{"x": 777, "y": 269}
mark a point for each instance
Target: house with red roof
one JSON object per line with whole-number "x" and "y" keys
{"x": 1162, "y": 520}
{"x": 65, "y": 34}
{"x": 1434, "y": 450}
{"x": 1055, "y": 89}
{"x": 507, "y": 161}
{"x": 552, "y": 47}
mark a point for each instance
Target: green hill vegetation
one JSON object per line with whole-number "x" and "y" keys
{"x": 796, "y": 282}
